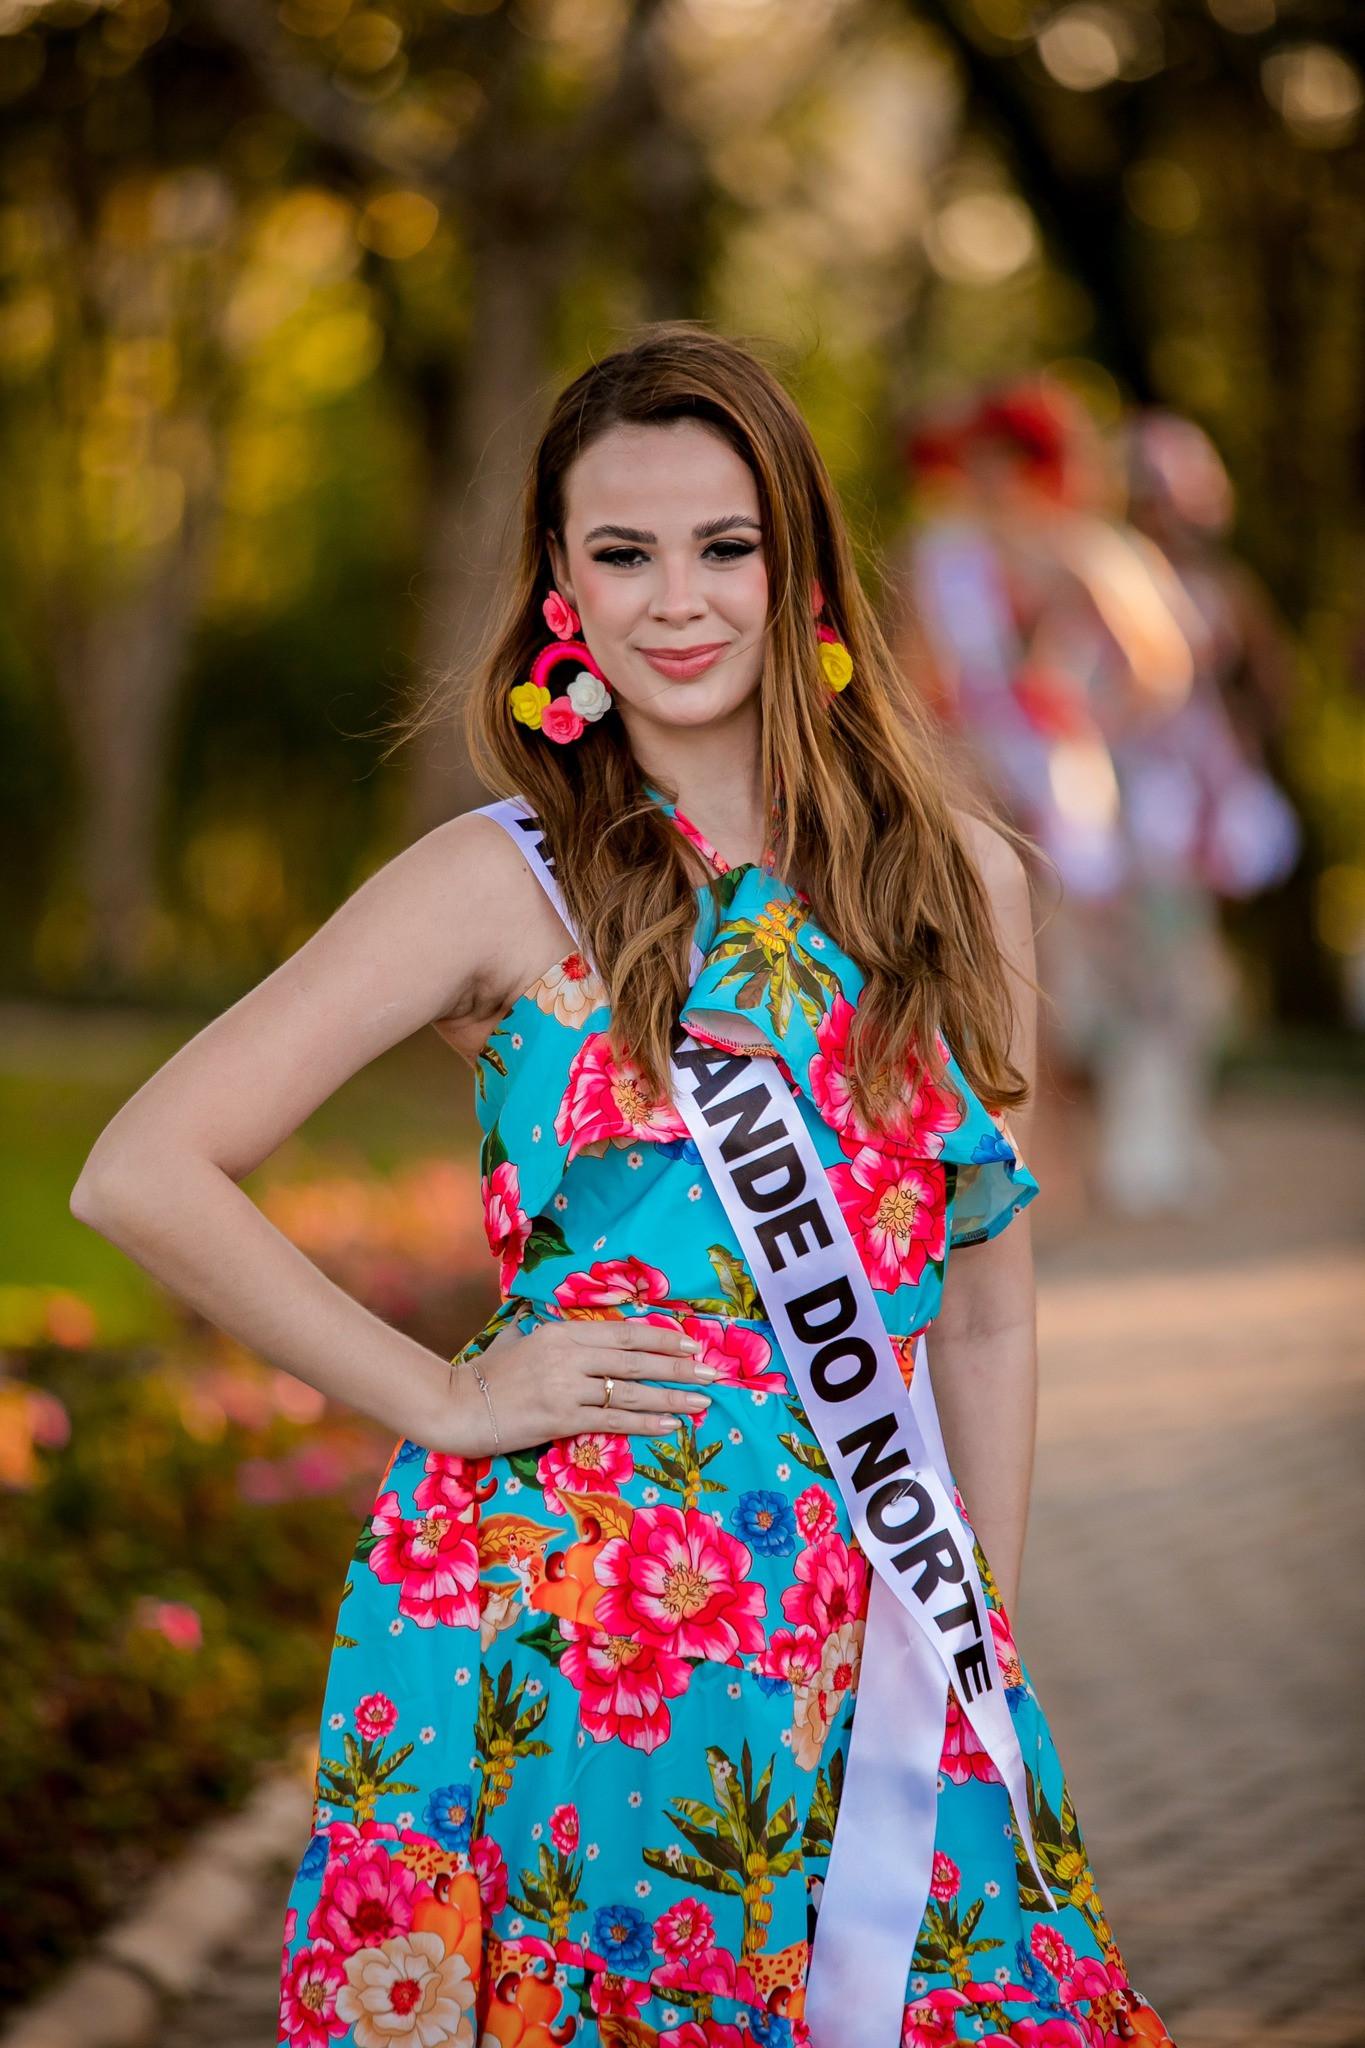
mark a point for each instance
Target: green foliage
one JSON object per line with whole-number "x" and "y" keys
{"x": 113, "y": 1740}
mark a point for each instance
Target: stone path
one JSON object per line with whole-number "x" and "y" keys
{"x": 1195, "y": 1620}
{"x": 1194, "y": 1609}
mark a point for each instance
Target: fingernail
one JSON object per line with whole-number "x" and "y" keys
{"x": 704, "y": 1372}
{"x": 691, "y": 1344}
{"x": 699, "y": 1403}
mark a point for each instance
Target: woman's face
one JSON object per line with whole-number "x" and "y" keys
{"x": 662, "y": 558}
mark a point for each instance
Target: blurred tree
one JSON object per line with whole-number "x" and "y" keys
{"x": 562, "y": 100}
{"x": 119, "y": 249}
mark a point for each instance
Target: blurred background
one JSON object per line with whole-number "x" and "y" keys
{"x": 1072, "y": 295}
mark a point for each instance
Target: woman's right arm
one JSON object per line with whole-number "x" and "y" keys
{"x": 450, "y": 930}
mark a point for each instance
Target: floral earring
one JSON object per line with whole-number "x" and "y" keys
{"x": 588, "y": 696}
{"x": 836, "y": 663}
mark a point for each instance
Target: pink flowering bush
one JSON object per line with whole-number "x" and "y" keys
{"x": 412, "y": 1246}
{"x": 168, "y": 1575}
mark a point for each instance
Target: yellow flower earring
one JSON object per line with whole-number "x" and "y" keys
{"x": 836, "y": 663}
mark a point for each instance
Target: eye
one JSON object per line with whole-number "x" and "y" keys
{"x": 621, "y": 557}
{"x": 729, "y": 550}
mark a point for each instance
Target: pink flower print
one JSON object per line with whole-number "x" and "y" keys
{"x": 606, "y": 1102}
{"x": 1088, "y": 1978}
{"x": 616, "y": 1997}
{"x": 1055, "y": 2033}
{"x": 584, "y": 1464}
{"x": 451, "y": 1484}
{"x": 712, "y": 1970}
{"x": 703, "y": 2034}
{"x": 612, "y": 1284}
{"x": 703, "y": 845}
{"x": 432, "y": 1559}
{"x": 684, "y": 1930}
{"x": 564, "y": 1829}
{"x": 366, "y": 1899}
{"x": 308, "y": 1996}
{"x": 931, "y": 2022}
{"x": 376, "y": 1716}
{"x": 815, "y": 1514}
{"x": 1052, "y": 1952}
{"x": 963, "y": 1756}
{"x": 679, "y": 1581}
{"x": 489, "y": 1866}
{"x": 622, "y": 1685}
{"x": 507, "y": 1224}
{"x": 1006, "y": 1655}
{"x": 895, "y": 1208}
{"x": 793, "y": 1654}
{"x": 831, "y": 1587}
{"x": 924, "y": 1116}
{"x": 739, "y": 1357}
{"x": 947, "y": 1878}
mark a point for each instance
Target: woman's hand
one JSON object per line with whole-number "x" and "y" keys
{"x": 554, "y": 1383}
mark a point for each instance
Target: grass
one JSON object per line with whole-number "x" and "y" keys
{"x": 65, "y": 1071}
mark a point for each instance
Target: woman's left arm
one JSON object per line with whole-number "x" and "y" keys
{"x": 983, "y": 1347}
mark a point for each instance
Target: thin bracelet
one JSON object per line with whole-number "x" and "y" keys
{"x": 477, "y": 1371}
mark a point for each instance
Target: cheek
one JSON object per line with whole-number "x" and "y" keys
{"x": 607, "y": 604}
{"x": 742, "y": 597}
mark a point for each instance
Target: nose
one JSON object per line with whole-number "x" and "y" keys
{"x": 677, "y": 598}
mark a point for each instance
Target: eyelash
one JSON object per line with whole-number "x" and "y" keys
{"x": 720, "y": 551}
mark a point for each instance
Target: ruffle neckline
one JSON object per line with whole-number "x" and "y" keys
{"x": 770, "y": 981}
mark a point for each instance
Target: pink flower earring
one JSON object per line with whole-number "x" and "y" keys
{"x": 588, "y": 696}
{"x": 836, "y": 663}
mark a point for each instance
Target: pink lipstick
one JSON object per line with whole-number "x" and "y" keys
{"x": 680, "y": 663}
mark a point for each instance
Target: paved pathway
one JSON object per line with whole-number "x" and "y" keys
{"x": 1194, "y": 1610}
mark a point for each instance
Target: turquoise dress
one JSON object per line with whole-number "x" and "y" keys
{"x": 587, "y": 1717}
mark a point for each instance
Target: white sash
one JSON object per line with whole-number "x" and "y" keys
{"x": 928, "y": 1623}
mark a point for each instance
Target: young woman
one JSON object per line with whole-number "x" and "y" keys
{"x": 746, "y": 1001}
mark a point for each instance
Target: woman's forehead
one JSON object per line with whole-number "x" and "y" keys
{"x": 671, "y": 477}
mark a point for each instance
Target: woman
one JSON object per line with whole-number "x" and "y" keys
{"x": 588, "y": 1726}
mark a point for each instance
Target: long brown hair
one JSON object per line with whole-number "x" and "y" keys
{"x": 855, "y": 782}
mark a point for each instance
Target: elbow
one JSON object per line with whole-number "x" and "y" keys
{"x": 106, "y": 1195}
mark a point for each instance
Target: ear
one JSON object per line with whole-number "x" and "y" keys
{"x": 559, "y": 564}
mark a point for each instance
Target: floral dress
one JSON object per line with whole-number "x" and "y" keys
{"x": 588, "y": 1713}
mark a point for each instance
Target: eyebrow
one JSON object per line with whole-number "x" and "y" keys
{"x": 708, "y": 531}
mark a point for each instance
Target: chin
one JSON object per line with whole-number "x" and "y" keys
{"x": 688, "y": 705}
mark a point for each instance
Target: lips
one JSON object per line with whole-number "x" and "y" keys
{"x": 680, "y": 663}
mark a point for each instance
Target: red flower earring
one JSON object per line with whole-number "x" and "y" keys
{"x": 588, "y": 696}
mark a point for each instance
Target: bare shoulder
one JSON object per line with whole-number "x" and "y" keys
{"x": 467, "y": 884}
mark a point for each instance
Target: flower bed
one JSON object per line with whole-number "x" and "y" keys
{"x": 174, "y": 1531}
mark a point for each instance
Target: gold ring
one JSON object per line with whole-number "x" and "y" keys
{"x": 610, "y": 1386}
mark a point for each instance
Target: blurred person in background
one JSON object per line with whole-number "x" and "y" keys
{"x": 1115, "y": 689}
